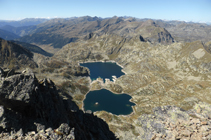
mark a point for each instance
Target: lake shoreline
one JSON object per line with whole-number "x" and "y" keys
{"x": 82, "y": 108}
{"x": 104, "y": 86}
{"x": 112, "y": 61}
{"x": 119, "y": 105}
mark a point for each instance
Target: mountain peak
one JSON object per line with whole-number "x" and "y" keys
{"x": 149, "y": 23}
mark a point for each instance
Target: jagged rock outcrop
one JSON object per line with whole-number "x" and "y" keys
{"x": 75, "y": 70}
{"x": 154, "y": 33}
{"x": 65, "y": 68}
{"x": 171, "y": 122}
{"x": 35, "y": 109}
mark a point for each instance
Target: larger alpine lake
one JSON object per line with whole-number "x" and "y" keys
{"x": 103, "y": 99}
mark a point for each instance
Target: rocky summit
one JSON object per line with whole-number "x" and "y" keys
{"x": 35, "y": 109}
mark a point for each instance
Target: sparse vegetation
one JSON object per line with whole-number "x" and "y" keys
{"x": 159, "y": 71}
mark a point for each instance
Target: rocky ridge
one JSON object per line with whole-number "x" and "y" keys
{"x": 187, "y": 32}
{"x": 15, "y": 56}
{"x": 35, "y": 109}
{"x": 171, "y": 122}
{"x": 55, "y": 35}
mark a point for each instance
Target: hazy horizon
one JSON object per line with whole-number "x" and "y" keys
{"x": 188, "y": 10}
{"x": 101, "y": 17}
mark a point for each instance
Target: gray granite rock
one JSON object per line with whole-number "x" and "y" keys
{"x": 29, "y": 106}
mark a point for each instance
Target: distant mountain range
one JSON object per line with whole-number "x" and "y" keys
{"x": 60, "y": 31}
{"x": 35, "y": 21}
{"x": 208, "y": 23}
{"x": 8, "y": 35}
{"x": 24, "y": 22}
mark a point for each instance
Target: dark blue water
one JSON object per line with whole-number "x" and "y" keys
{"x": 103, "y": 99}
{"x": 103, "y": 70}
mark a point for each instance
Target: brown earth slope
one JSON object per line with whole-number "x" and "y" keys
{"x": 15, "y": 56}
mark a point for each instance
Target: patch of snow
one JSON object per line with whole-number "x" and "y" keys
{"x": 199, "y": 53}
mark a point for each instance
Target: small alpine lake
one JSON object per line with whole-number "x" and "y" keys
{"x": 103, "y": 99}
{"x": 103, "y": 70}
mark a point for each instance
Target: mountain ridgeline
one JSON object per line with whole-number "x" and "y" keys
{"x": 8, "y": 35}
{"x": 33, "y": 48}
{"x": 167, "y": 66}
{"x": 15, "y": 56}
{"x": 23, "y": 22}
{"x": 61, "y": 31}
{"x": 66, "y": 31}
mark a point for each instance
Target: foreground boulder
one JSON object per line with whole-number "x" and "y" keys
{"x": 35, "y": 109}
{"x": 174, "y": 123}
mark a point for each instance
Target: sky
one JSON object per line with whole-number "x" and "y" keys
{"x": 184, "y": 10}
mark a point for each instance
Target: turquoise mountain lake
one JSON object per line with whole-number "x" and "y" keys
{"x": 103, "y": 70}
{"x": 103, "y": 99}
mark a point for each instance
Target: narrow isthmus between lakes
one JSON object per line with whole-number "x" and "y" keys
{"x": 103, "y": 99}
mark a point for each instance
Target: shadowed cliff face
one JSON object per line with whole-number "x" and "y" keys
{"x": 154, "y": 33}
{"x": 15, "y": 56}
{"x": 29, "y": 105}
